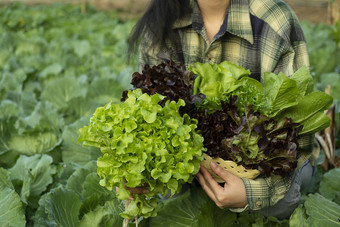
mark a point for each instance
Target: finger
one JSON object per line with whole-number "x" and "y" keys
{"x": 205, "y": 187}
{"x": 219, "y": 171}
{"x": 210, "y": 181}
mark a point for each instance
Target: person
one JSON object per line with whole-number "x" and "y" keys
{"x": 259, "y": 35}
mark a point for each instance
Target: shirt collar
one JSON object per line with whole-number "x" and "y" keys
{"x": 238, "y": 17}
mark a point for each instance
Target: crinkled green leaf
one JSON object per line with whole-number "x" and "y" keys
{"x": 336, "y": 198}
{"x": 115, "y": 207}
{"x": 212, "y": 215}
{"x": 216, "y": 81}
{"x": 303, "y": 80}
{"x": 35, "y": 173}
{"x": 308, "y": 106}
{"x": 35, "y": 143}
{"x": 315, "y": 123}
{"x": 78, "y": 108}
{"x": 76, "y": 180}
{"x": 321, "y": 211}
{"x": 91, "y": 186}
{"x": 104, "y": 90}
{"x": 28, "y": 104}
{"x": 53, "y": 69}
{"x": 192, "y": 208}
{"x": 248, "y": 218}
{"x": 9, "y": 109}
{"x": 40, "y": 217}
{"x": 5, "y": 180}
{"x": 236, "y": 71}
{"x": 94, "y": 218}
{"x": 73, "y": 152}
{"x": 82, "y": 48}
{"x": 299, "y": 217}
{"x": 280, "y": 92}
{"x": 62, "y": 207}
{"x": 8, "y": 159}
{"x": 44, "y": 118}
{"x": 7, "y": 130}
{"x": 61, "y": 91}
{"x": 27, "y": 48}
{"x": 249, "y": 92}
{"x": 330, "y": 183}
{"x": 12, "y": 81}
{"x": 11, "y": 208}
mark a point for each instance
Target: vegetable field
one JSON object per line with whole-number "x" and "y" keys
{"x": 57, "y": 66}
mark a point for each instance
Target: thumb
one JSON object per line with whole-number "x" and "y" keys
{"x": 221, "y": 172}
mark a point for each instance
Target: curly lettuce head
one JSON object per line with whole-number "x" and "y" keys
{"x": 145, "y": 144}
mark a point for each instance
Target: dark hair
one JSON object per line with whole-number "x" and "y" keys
{"x": 157, "y": 21}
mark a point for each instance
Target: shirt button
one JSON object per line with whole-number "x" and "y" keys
{"x": 258, "y": 204}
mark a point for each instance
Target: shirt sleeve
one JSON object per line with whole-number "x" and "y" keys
{"x": 267, "y": 191}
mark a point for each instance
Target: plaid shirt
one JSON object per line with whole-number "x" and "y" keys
{"x": 259, "y": 35}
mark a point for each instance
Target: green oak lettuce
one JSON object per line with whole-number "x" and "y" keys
{"x": 146, "y": 145}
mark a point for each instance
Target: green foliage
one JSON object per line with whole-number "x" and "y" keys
{"x": 11, "y": 207}
{"x": 320, "y": 209}
{"x": 330, "y": 184}
{"x": 194, "y": 208}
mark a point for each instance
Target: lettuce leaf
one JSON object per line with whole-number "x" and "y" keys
{"x": 280, "y": 91}
{"x": 216, "y": 82}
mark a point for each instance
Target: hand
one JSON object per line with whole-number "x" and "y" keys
{"x": 232, "y": 195}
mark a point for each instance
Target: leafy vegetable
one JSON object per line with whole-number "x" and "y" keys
{"x": 322, "y": 211}
{"x": 216, "y": 82}
{"x": 34, "y": 174}
{"x": 144, "y": 145}
{"x": 194, "y": 209}
{"x": 330, "y": 184}
{"x": 257, "y": 126}
{"x": 11, "y": 208}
